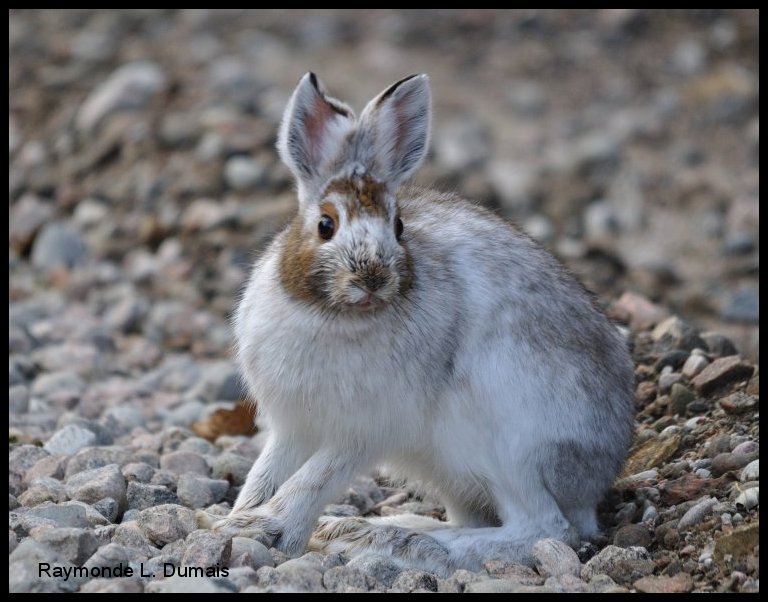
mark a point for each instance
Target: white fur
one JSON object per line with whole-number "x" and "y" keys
{"x": 474, "y": 383}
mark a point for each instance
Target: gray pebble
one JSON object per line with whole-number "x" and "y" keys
{"x": 141, "y": 472}
{"x": 58, "y": 245}
{"x": 63, "y": 515}
{"x": 113, "y": 555}
{"x": 18, "y": 399}
{"x": 345, "y": 579}
{"x": 623, "y": 565}
{"x": 191, "y": 585}
{"x": 70, "y": 440}
{"x": 44, "y": 489}
{"x": 93, "y": 485}
{"x": 382, "y": 569}
{"x": 166, "y": 523}
{"x": 121, "y": 420}
{"x": 76, "y": 545}
{"x": 198, "y": 445}
{"x": 24, "y": 457}
{"x": 166, "y": 478}
{"x": 131, "y": 86}
{"x": 199, "y": 492}
{"x": 114, "y": 585}
{"x": 231, "y": 467}
{"x": 243, "y": 173}
{"x": 242, "y": 577}
{"x": 413, "y": 579}
{"x": 249, "y": 552}
{"x": 129, "y": 534}
{"x": 299, "y": 575}
{"x": 500, "y": 586}
{"x": 566, "y": 583}
{"x": 24, "y": 569}
{"x": 205, "y": 548}
{"x": 457, "y": 582}
{"x": 751, "y": 472}
{"x": 96, "y": 457}
{"x": 743, "y": 307}
{"x": 182, "y": 462}
{"x": 142, "y": 495}
{"x": 108, "y": 507}
{"x": 553, "y": 557}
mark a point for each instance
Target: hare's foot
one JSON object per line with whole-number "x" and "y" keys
{"x": 258, "y": 523}
{"x": 354, "y": 536}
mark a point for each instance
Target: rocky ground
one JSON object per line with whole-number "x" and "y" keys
{"x": 143, "y": 181}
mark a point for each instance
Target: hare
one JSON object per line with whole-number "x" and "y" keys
{"x": 407, "y": 328}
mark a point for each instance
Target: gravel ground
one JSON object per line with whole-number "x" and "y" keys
{"x": 143, "y": 182}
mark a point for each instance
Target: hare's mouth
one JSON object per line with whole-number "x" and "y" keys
{"x": 367, "y": 303}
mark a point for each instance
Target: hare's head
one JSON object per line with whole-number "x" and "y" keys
{"x": 347, "y": 248}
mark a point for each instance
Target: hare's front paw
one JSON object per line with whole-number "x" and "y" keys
{"x": 259, "y": 524}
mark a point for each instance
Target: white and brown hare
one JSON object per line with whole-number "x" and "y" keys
{"x": 409, "y": 329}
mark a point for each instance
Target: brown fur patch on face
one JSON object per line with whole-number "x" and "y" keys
{"x": 296, "y": 261}
{"x": 363, "y": 193}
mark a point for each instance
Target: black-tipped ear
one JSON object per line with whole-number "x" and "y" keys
{"x": 397, "y": 124}
{"x": 313, "y": 128}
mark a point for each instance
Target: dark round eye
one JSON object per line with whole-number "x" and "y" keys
{"x": 326, "y": 227}
{"x": 398, "y": 228}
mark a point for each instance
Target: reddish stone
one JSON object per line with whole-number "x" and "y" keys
{"x": 721, "y": 372}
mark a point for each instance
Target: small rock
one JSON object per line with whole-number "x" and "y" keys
{"x": 637, "y": 311}
{"x": 738, "y": 545}
{"x": 119, "y": 585}
{"x": 651, "y": 454}
{"x": 18, "y": 399}
{"x": 499, "y": 586}
{"x": 58, "y": 245}
{"x": 108, "y": 508}
{"x": 382, "y": 569}
{"x": 141, "y": 472}
{"x": 130, "y": 87}
{"x": 231, "y": 467}
{"x": 739, "y": 403}
{"x": 345, "y": 579}
{"x": 462, "y": 144}
{"x": 719, "y": 345}
{"x": 61, "y": 515}
{"x": 697, "y": 513}
{"x": 42, "y": 490}
{"x": 191, "y": 585}
{"x": 457, "y": 582}
{"x": 623, "y": 565}
{"x": 141, "y": 496}
{"x": 76, "y": 545}
{"x": 203, "y": 214}
{"x": 205, "y": 548}
{"x": 555, "y": 558}
{"x": 93, "y": 485}
{"x": 679, "y": 398}
{"x": 167, "y": 523}
{"x": 96, "y": 457}
{"x": 26, "y": 217}
{"x": 743, "y": 307}
{"x": 632, "y": 535}
{"x": 24, "y": 569}
{"x": 751, "y": 472}
{"x": 412, "y": 579}
{"x": 243, "y": 173}
{"x": 694, "y": 365}
{"x": 250, "y": 552}
{"x": 721, "y": 372}
{"x": 182, "y": 462}
{"x": 723, "y": 463}
{"x": 69, "y": 440}
{"x": 667, "y": 380}
{"x": 129, "y": 534}
{"x": 746, "y": 447}
{"x": 199, "y": 492}
{"x": 566, "y": 584}
{"x": 299, "y": 575}
{"x": 680, "y": 583}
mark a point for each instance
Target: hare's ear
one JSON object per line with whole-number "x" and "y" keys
{"x": 313, "y": 129}
{"x": 396, "y": 126}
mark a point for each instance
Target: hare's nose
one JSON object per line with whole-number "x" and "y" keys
{"x": 373, "y": 280}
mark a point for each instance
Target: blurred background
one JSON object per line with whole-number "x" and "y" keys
{"x": 143, "y": 177}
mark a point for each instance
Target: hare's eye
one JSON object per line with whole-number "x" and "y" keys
{"x": 326, "y": 227}
{"x": 398, "y": 228}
